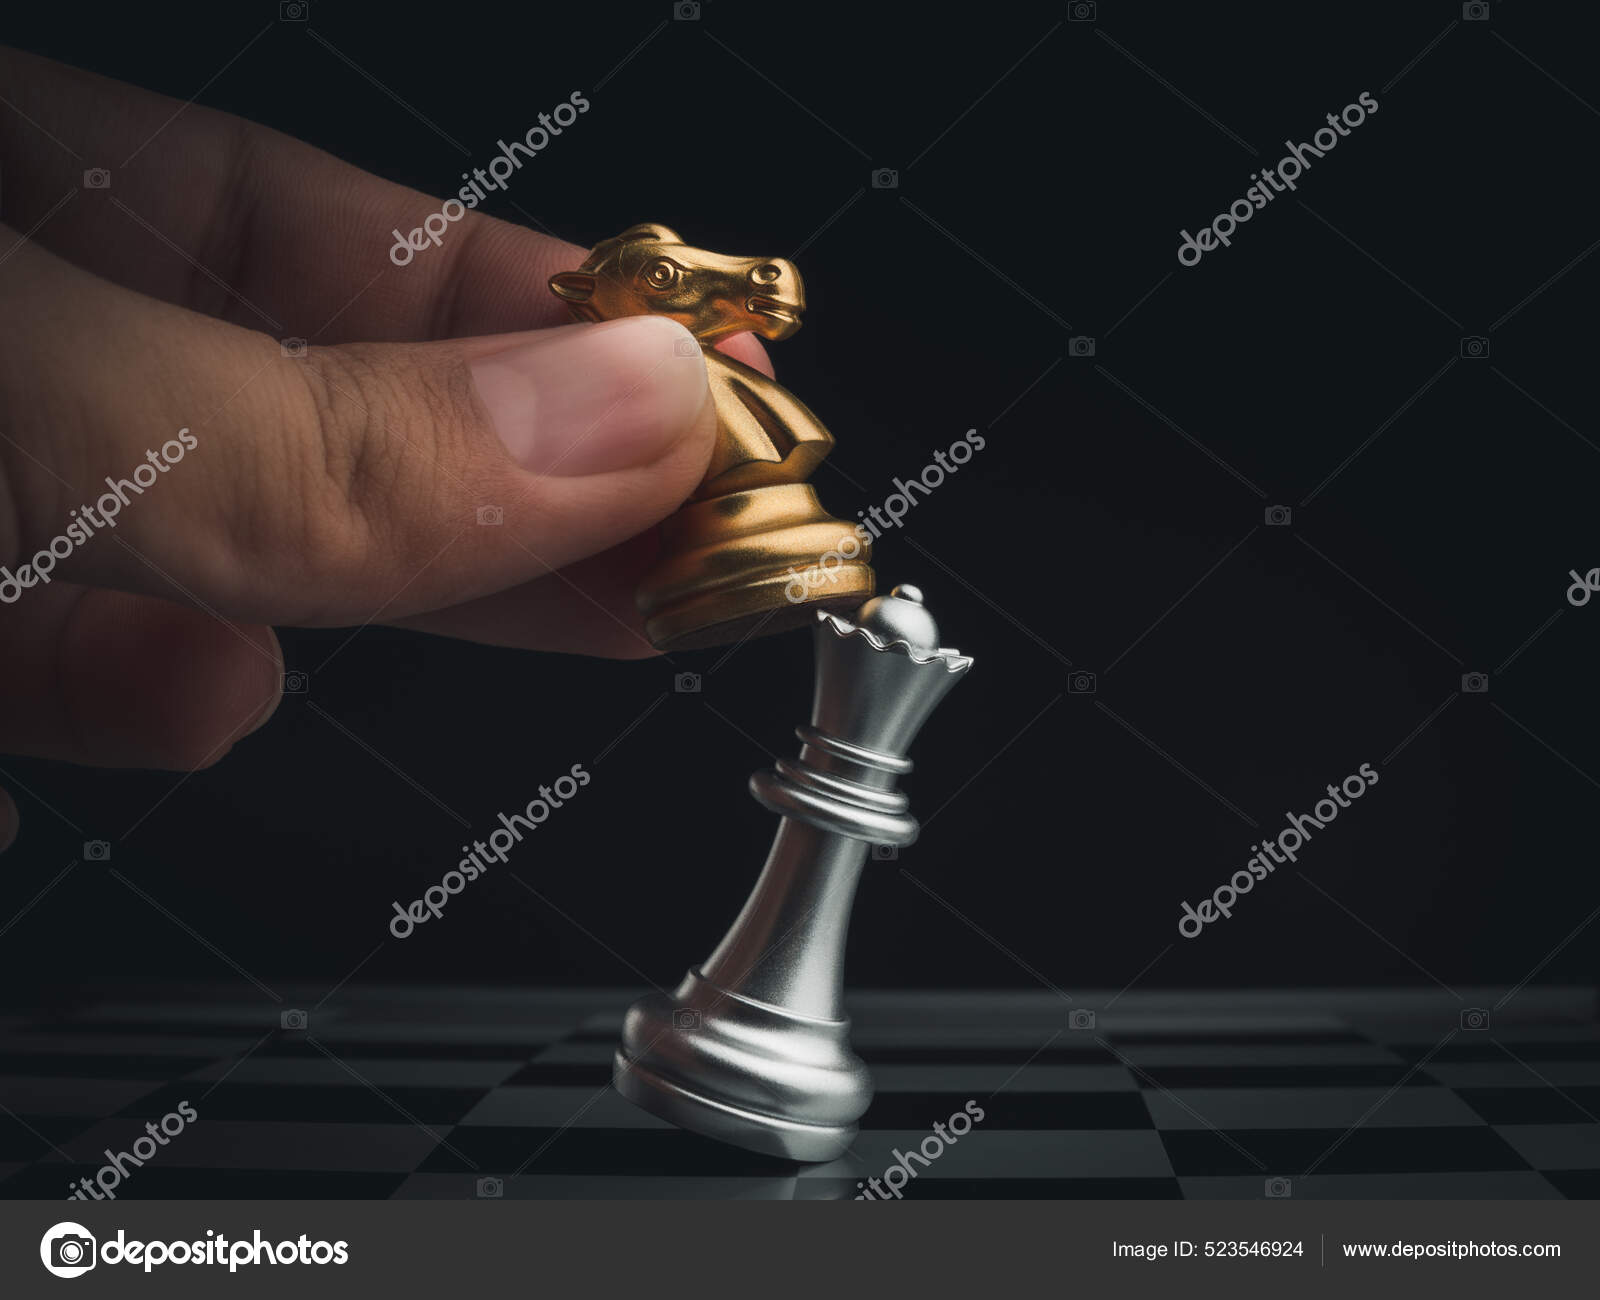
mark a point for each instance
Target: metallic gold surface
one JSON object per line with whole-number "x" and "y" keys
{"x": 753, "y": 551}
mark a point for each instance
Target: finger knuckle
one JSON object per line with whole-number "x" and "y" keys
{"x": 384, "y": 438}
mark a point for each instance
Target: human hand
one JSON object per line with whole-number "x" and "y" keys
{"x": 338, "y": 484}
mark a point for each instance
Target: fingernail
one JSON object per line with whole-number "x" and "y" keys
{"x": 265, "y": 716}
{"x": 589, "y": 399}
{"x": 275, "y": 685}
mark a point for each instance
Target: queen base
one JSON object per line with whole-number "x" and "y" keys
{"x": 751, "y": 563}
{"x": 743, "y": 1072}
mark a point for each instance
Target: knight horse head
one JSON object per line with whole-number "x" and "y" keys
{"x": 648, "y": 270}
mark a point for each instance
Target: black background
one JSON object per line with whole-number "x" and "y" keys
{"x": 1114, "y": 523}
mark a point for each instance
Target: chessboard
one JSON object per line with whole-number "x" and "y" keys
{"x": 462, "y": 1092}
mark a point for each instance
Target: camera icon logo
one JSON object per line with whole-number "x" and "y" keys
{"x": 1475, "y": 683}
{"x": 1082, "y": 684}
{"x": 686, "y": 683}
{"x": 68, "y": 1250}
{"x": 1279, "y": 1189}
{"x": 885, "y": 852}
{"x": 686, "y": 1019}
{"x": 686, "y": 348}
{"x": 1475, "y": 11}
{"x": 296, "y": 683}
{"x": 293, "y": 1020}
{"x": 1080, "y": 1019}
{"x": 686, "y": 11}
{"x": 1474, "y": 347}
{"x": 1080, "y": 345}
{"x": 885, "y": 178}
{"x": 491, "y": 1189}
{"x": 491, "y": 515}
{"x": 1475, "y": 1019}
{"x": 97, "y": 178}
{"x": 1082, "y": 11}
{"x": 96, "y": 851}
{"x": 293, "y": 348}
{"x": 1279, "y": 516}
{"x": 293, "y": 11}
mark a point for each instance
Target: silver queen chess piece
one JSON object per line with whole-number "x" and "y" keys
{"x": 753, "y": 1047}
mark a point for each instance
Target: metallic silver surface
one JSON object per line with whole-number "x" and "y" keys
{"x": 753, "y": 1047}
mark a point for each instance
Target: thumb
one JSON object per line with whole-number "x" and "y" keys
{"x": 324, "y": 485}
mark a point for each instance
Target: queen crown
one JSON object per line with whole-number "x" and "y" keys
{"x": 880, "y": 675}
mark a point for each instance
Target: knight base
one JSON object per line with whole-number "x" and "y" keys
{"x": 751, "y": 563}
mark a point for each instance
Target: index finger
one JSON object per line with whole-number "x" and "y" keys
{"x": 236, "y": 220}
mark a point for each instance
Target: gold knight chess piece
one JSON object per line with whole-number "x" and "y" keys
{"x": 752, "y": 551}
